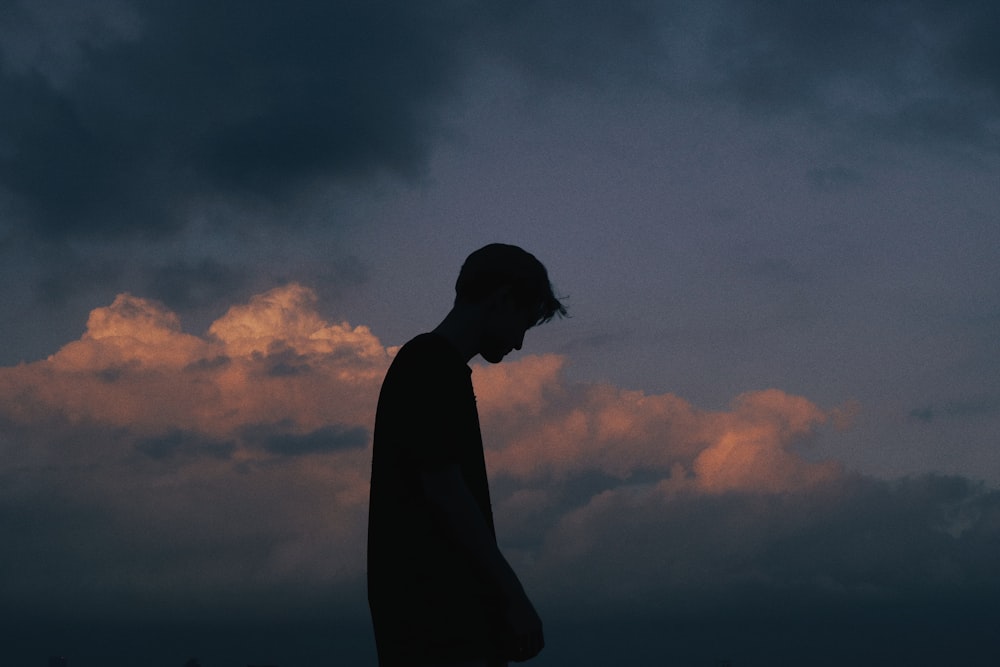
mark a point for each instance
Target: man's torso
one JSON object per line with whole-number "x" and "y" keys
{"x": 424, "y": 594}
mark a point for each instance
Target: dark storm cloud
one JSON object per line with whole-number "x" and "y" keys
{"x": 122, "y": 120}
{"x": 252, "y": 101}
{"x": 918, "y": 71}
{"x": 116, "y": 125}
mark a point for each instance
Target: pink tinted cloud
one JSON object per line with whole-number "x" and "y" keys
{"x": 273, "y": 359}
{"x": 559, "y": 431}
{"x": 220, "y": 463}
{"x": 238, "y": 461}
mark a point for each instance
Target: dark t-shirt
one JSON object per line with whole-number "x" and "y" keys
{"x": 427, "y": 601}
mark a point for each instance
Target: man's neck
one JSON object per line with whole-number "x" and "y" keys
{"x": 462, "y": 327}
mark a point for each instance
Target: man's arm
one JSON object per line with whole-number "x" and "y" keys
{"x": 465, "y": 524}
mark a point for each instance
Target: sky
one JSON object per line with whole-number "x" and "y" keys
{"x": 766, "y": 434}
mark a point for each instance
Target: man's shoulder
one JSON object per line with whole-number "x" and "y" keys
{"x": 425, "y": 341}
{"x": 428, "y": 348}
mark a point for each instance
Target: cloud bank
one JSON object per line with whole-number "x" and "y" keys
{"x": 148, "y": 471}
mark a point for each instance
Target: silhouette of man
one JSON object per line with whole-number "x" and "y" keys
{"x": 439, "y": 590}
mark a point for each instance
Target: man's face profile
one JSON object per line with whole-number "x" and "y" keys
{"x": 507, "y": 323}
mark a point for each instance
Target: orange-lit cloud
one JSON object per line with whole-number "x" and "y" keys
{"x": 274, "y": 362}
{"x": 168, "y": 466}
{"x": 268, "y": 361}
{"x": 554, "y": 431}
{"x": 245, "y": 449}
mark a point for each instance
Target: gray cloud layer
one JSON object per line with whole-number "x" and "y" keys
{"x": 123, "y": 120}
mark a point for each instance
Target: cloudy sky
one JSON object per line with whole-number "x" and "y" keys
{"x": 768, "y": 432}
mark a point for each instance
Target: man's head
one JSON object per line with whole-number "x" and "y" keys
{"x": 514, "y": 288}
{"x": 499, "y": 266}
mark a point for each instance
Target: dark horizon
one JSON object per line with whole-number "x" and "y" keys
{"x": 961, "y": 633}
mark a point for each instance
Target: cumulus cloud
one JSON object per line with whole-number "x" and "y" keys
{"x": 556, "y": 432}
{"x": 146, "y": 465}
{"x": 271, "y": 360}
{"x": 180, "y": 455}
{"x": 616, "y": 501}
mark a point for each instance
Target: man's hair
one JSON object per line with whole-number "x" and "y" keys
{"x": 499, "y": 265}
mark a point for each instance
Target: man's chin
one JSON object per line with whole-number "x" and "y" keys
{"x": 493, "y": 357}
